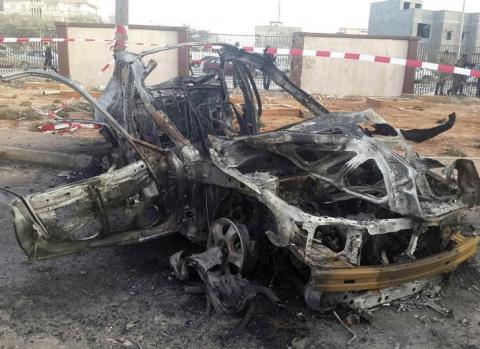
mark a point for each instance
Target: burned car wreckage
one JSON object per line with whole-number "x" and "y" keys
{"x": 354, "y": 216}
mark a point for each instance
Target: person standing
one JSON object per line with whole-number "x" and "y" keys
{"x": 459, "y": 81}
{"x": 442, "y": 77}
{"x": 48, "y": 63}
{"x": 271, "y": 58}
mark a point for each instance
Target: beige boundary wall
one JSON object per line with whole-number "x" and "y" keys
{"x": 83, "y": 61}
{"x": 330, "y": 76}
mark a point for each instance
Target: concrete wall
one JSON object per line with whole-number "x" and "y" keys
{"x": 330, "y": 76}
{"x": 82, "y": 61}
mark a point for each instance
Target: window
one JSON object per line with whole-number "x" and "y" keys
{"x": 449, "y": 35}
{"x": 424, "y": 30}
{"x": 464, "y": 35}
{"x": 406, "y": 5}
{"x": 418, "y": 5}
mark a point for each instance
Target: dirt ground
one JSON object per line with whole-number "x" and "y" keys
{"x": 464, "y": 137}
{"x": 126, "y": 297}
{"x": 462, "y": 140}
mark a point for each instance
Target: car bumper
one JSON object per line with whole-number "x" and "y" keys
{"x": 342, "y": 279}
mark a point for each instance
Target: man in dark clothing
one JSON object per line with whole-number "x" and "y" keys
{"x": 271, "y": 58}
{"x": 459, "y": 81}
{"x": 442, "y": 77}
{"x": 48, "y": 63}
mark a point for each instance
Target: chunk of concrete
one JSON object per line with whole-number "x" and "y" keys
{"x": 48, "y": 158}
{"x": 406, "y": 103}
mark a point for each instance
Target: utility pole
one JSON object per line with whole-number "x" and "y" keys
{"x": 279, "y": 11}
{"x": 121, "y": 24}
{"x": 462, "y": 25}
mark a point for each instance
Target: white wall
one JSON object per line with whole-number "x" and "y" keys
{"x": 87, "y": 59}
{"x": 338, "y": 77}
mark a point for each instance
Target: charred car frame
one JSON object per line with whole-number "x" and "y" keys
{"x": 340, "y": 197}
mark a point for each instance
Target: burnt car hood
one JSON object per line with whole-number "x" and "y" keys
{"x": 333, "y": 147}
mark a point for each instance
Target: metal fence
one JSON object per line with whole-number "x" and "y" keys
{"x": 428, "y": 82}
{"x": 204, "y": 61}
{"x": 23, "y": 56}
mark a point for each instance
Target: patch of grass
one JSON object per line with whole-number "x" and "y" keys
{"x": 75, "y": 108}
{"x": 58, "y": 101}
{"x": 30, "y": 115}
{"x": 454, "y": 152}
{"x": 82, "y": 106}
{"x": 34, "y": 127}
{"x": 26, "y": 104}
{"x": 12, "y": 114}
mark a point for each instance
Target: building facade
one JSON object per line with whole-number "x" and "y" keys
{"x": 275, "y": 35}
{"x": 409, "y": 18}
{"x": 55, "y": 9}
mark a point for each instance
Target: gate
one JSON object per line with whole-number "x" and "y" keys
{"x": 207, "y": 60}
{"x": 428, "y": 82}
{"x": 16, "y": 57}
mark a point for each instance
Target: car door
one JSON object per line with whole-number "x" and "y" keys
{"x": 118, "y": 207}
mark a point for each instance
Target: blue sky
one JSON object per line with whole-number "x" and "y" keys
{"x": 240, "y": 17}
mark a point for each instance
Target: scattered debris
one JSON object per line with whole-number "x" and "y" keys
{"x": 51, "y": 93}
{"x": 125, "y": 343}
{"x": 354, "y": 335}
{"x": 397, "y": 103}
{"x": 68, "y": 175}
{"x": 428, "y": 298}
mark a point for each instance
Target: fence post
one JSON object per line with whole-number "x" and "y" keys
{"x": 298, "y": 42}
{"x": 121, "y": 23}
{"x": 409, "y": 81}
{"x": 62, "y": 51}
{"x": 183, "y": 53}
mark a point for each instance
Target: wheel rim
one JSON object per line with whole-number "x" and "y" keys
{"x": 234, "y": 239}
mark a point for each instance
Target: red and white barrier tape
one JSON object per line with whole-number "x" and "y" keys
{"x": 442, "y": 68}
{"x": 58, "y": 125}
{"x": 65, "y": 127}
{"x": 4, "y": 40}
{"x": 106, "y": 66}
{"x": 369, "y": 58}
